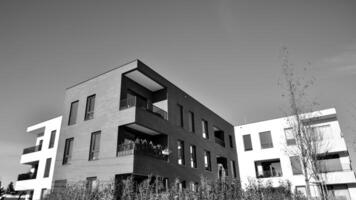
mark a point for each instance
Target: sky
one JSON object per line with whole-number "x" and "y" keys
{"x": 224, "y": 53}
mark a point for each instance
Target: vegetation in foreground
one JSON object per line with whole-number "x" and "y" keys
{"x": 155, "y": 190}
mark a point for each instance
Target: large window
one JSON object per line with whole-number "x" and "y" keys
{"x": 296, "y": 165}
{"x": 180, "y": 117}
{"x": 92, "y": 184}
{"x": 52, "y": 139}
{"x": 289, "y": 133}
{"x": 191, "y": 121}
{"x": 204, "y": 128}
{"x": 231, "y": 142}
{"x": 207, "y": 160}
{"x": 268, "y": 168}
{"x": 68, "y": 147}
{"x": 73, "y": 113}
{"x": 266, "y": 140}
{"x": 94, "y": 146}
{"x": 89, "y": 108}
{"x": 247, "y": 142}
{"x": 47, "y": 167}
{"x": 233, "y": 168}
{"x": 322, "y": 132}
{"x": 193, "y": 156}
{"x": 181, "y": 157}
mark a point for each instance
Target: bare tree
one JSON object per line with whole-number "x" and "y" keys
{"x": 308, "y": 142}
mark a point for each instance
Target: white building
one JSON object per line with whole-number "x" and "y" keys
{"x": 265, "y": 151}
{"x": 40, "y": 158}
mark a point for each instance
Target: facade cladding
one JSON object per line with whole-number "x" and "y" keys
{"x": 268, "y": 151}
{"x": 132, "y": 121}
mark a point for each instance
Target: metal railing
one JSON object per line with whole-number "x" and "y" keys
{"x": 132, "y": 102}
{"x": 143, "y": 149}
{"x": 333, "y": 165}
{"x": 26, "y": 176}
{"x": 219, "y": 141}
{"x": 32, "y": 149}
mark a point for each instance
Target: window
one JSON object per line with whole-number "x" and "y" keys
{"x": 52, "y": 139}
{"x": 322, "y": 132}
{"x": 191, "y": 121}
{"x": 94, "y": 146}
{"x": 329, "y": 163}
{"x": 47, "y": 168}
{"x": 73, "y": 113}
{"x": 180, "y": 146}
{"x": 266, "y": 140}
{"x": 43, "y": 193}
{"x": 207, "y": 160}
{"x": 193, "y": 186}
{"x": 68, "y": 147}
{"x": 300, "y": 190}
{"x": 219, "y": 136}
{"x": 233, "y": 168}
{"x": 231, "y": 141}
{"x": 247, "y": 142}
{"x": 180, "y": 117}
{"x": 296, "y": 165}
{"x": 268, "y": 168}
{"x": 204, "y": 128}
{"x": 289, "y": 136}
{"x": 89, "y": 108}
{"x": 91, "y": 184}
{"x": 193, "y": 156}
{"x": 59, "y": 184}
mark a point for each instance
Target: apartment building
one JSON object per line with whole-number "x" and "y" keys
{"x": 266, "y": 153}
{"x": 132, "y": 121}
{"x": 40, "y": 158}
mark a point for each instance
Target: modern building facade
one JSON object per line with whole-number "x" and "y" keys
{"x": 132, "y": 121}
{"x": 266, "y": 153}
{"x": 41, "y": 159}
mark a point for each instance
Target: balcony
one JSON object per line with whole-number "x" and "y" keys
{"x": 134, "y": 101}
{"x": 32, "y": 149}
{"x": 142, "y": 147}
{"x": 26, "y": 176}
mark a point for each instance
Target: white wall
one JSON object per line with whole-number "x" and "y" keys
{"x": 281, "y": 151}
{"x": 41, "y": 156}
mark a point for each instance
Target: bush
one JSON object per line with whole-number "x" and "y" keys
{"x": 154, "y": 189}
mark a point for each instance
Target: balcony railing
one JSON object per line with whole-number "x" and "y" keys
{"x": 146, "y": 149}
{"x": 26, "y": 176}
{"x": 219, "y": 141}
{"x": 32, "y": 149}
{"x": 133, "y": 102}
{"x": 333, "y": 165}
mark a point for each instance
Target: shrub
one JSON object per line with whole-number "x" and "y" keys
{"x": 154, "y": 189}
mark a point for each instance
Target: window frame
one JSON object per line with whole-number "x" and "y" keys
{"x": 205, "y": 129}
{"x": 180, "y": 152}
{"x": 193, "y": 156}
{"x": 207, "y": 160}
{"x": 89, "y": 107}
{"x": 248, "y": 138}
{"x": 264, "y": 143}
{"x": 73, "y": 112}
{"x": 93, "y": 144}
{"x": 191, "y": 122}
{"x": 67, "y": 154}
{"x": 52, "y": 139}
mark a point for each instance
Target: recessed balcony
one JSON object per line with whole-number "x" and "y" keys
{"x": 142, "y": 148}
{"x": 134, "y": 101}
{"x": 32, "y": 149}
